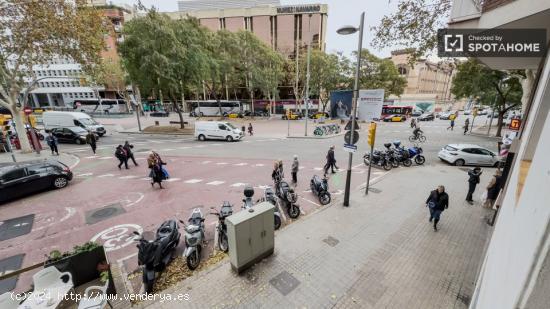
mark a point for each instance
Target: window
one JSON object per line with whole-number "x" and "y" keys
{"x": 13, "y": 175}
{"x": 36, "y": 169}
{"x": 485, "y": 152}
{"x": 222, "y": 127}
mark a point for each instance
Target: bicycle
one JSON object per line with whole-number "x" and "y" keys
{"x": 421, "y": 138}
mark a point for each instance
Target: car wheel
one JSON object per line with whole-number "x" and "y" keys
{"x": 201, "y": 114}
{"x": 101, "y": 134}
{"x": 60, "y": 182}
{"x": 78, "y": 141}
{"x": 229, "y": 138}
{"x": 459, "y": 162}
{"x": 202, "y": 138}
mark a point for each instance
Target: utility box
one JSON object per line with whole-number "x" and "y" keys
{"x": 250, "y": 235}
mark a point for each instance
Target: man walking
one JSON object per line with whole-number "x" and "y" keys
{"x": 331, "y": 161}
{"x": 52, "y": 142}
{"x": 472, "y": 183}
{"x": 92, "y": 140}
{"x": 493, "y": 189}
{"x": 129, "y": 154}
{"x": 452, "y": 126}
{"x": 295, "y": 168}
{"x": 466, "y": 125}
{"x": 437, "y": 202}
{"x": 122, "y": 157}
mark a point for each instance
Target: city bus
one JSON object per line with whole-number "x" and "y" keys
{"x": 396, "y": 110}
{"x": 94, "y": 106}
{"x": 212, "y": 108}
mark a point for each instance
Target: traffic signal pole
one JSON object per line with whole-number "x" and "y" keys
{"x": 370, "y": 140}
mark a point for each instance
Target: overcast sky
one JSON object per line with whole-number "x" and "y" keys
{"x": 340, "y": 12}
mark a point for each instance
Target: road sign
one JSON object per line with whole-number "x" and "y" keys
{"x": 350, "y": 148}
{"x": 27, "y": 110}
{"x": 347, "y": 137}
{"x": 515, "y": 124}
{"x": 348, "y": 126}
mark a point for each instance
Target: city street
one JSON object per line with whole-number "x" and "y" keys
{"x": 106, "y": 204}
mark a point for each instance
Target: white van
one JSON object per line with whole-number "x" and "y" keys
{"x": 217, "y": 130}
{"x": 53, "y": 120}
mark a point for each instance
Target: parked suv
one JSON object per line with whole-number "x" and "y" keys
{"x": 70, "y": 135}
{"x": 26, "y": 178}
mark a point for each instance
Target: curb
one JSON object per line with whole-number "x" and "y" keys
{"x": 153, "y": 133}
{"x": 484, "y": 135}
{"x": 316, "y": 137}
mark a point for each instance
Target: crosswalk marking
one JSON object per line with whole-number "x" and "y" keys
{"x": 318, "y": 168}
{"x": 259, "y": 164}
{"x": 183, "y": 148}
{"x": 145, "y": 178}
{"x": 222, "y": 163}
{"x": 105, "y": 158}
{"x": 168, "y": 149}
{"x": 84, "y": 175}
{"x": 128, "y": 177}
{"x": 193, "y": 181}
{"x": 172, "y": 179}
{"x": 238, "y": 184}
{"x": 301, "y": 167}
{"x": 91, "y": 157}
{"x": 106, "y": 175}
{"x": 215, "y": 183}
{"x": 241, "y": 164}
{"x": 206, "y": 162}
{"x": 200, "y": 146}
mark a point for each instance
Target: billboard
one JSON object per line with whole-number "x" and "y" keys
{"x": 340, "y": 104}
{"x": 369, "y": 106}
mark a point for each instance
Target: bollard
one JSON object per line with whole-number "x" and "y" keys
{"x": 156, "y": 123}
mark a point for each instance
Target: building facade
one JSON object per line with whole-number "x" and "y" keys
{"x": 284, "y": 28}
{"x": 516, "y": 268}
{"x": 428, "y": 83}
{"x": 60, "y": 81}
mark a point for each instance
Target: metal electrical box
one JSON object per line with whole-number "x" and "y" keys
{"x": 251, "y": 235}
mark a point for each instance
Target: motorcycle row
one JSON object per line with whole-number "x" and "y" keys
{"x": 154, "y": 255}
{"x": 394, "y": 156}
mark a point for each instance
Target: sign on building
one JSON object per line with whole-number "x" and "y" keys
{"x": 369, "y": 105}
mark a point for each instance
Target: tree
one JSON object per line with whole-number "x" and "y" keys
{"x": 415, "y": 25}
{"x": 35, "y": 32}
{"x": 499, "y": 89}
{"x": 377, "y": 73}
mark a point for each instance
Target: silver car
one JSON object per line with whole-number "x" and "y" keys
{"x": 467, "y": 154}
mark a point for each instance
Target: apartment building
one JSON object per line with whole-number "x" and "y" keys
{"x": 516, "y": 268}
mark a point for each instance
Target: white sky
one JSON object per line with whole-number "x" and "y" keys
{"x": 340, "y": 12}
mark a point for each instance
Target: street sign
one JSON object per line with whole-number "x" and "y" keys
{"x": 348, "y": 126}
{"x": 350, "y": 148}
{"x": 27, "y": 110}
{"x": 347, "y": 137}
{"x": 515, "y": 124}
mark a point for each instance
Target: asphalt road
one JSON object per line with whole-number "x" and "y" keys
{"x": 106, "y": 204}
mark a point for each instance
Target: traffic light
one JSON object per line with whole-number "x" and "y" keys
{"x": 372, "y": 134}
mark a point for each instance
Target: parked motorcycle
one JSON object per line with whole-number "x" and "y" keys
{"x": 379, "y": 158}
{"x": 319, "y": 187}
{"x": 225, "y": 211}
{"x": 416, "y": 153}
{"x": 154, "y": 255}
{"x": 270, "y": 197}
{"x": 194, "y": 236}
{"x": 401, "y": 154}
{"x": 288, "y": 197}
{"x": 248, "y": 194}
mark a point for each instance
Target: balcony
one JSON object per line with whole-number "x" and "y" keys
{"x": 463, "y": 10}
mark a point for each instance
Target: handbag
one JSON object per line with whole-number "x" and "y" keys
{"x": 431, "y": 204}
{"x": 165, "y": 173}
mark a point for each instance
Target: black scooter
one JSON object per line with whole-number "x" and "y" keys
{"x": 225, "y": 211}
{"x": 379, "y": 158}
{"x": 288, "y": 197}
{"x": 270, "y": 197}
{"x": 155, "y": 254}
{"x": 319, "y": 187}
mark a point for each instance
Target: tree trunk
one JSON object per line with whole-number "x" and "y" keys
{"x": 527, "y": 87}
{"x": 21, "y": 131}
{"x": 177, "y": 108}
{"x": 500, "y": 123}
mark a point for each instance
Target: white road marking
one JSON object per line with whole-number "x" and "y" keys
{"x": 183, "y": 148}
{"x": 312, "y": 202}
{"x": 301, "y": 167}
{"x": 206, "y": 162}
{"x": 215, "y": 183}
{"x": 105, "y": 158}
{"x": 105, "y": 175}
{"x": 128, "y": 177}
{"x": 172, "y": 179}
{"x": 70, "y": 212}
{"x": 131, "y": 203}
{"x": 76, "y": 163}
{"x": 84, "y": 175}
{"x": 92, "y": 157}
{"x": 222, "y": 163}
{"x": 145, "y": 178}
{"x": 318, "y": 168}
{"x": 168, "y": 149}
{"x": 215, "y": 144}
{"x": 241, "y": 164}
{"x": 262, "y": 187}
{"x": 259, "y": 164}
{"x": 200, "y": 146}
{"x": 238, "y": 184}
{"x": 80, "y": 150}
{"x": 193, "y": 181}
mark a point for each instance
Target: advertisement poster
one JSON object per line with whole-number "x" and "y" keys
{"x": 340, "y": 104}
{"x": 369, "y": 106}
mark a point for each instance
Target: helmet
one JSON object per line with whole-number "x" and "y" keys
{"x": 248, "y": 191}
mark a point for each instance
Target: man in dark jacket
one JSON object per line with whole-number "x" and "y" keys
{"x": 129, "y": 154}
{"x": 331, "y": 161}
{"x": 92, "y": 140}
{"x": 122, "y": 156}
{"x": 493, "y": 189}
{"x": 472, "y": 183}
{"x": 437, "y": 202}
{"x": 51, "y": 140}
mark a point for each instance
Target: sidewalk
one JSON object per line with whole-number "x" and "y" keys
{"x": 381, "y": 252}
{"x": 67, "y": 159}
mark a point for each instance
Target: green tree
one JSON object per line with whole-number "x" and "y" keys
{"x": 377, "y": 73}
{"x": 35, "y": 32}
{"x": 498, "y": 89}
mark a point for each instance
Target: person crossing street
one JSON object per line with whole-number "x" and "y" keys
{"x": 331, "y": 161}
{"x": 51, "y": 140}
{"x": 129, "y": 154}
{"x": 91, "y": 139}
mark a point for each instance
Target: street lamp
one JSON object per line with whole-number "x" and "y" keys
{"x": 345, "y": 31}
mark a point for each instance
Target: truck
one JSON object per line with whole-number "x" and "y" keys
{"x": 56, "y": 119}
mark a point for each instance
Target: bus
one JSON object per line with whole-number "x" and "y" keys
{"x": 95, "y": 106}
{"x": 396, "y": 110}
{"x": 212, "y": 108}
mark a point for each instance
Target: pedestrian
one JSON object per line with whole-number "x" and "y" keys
{"x": 52, "y": 142}
{"x": 250, "y": 129}
{"x": 155, "y": 165}
{"x": 437, "y": 202}
{"x": 466, "y": 125}
{"x": 120, "y": 154}
{"x": 452, "y": 126}
{"x": 295, "y": 168}
{"x": 413, "y": 123}
{"x": 129, "y": 154}
{"x": 472, "y": 183}
{"x": 331, "y": 161}
{"x": 493, "y": 189}
{"x": 243, "y": 129}
{"x": 91, "y": 139}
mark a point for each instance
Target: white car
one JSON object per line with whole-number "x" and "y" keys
{"x": 217, "y": 130}
{"x": 467, "y": 154}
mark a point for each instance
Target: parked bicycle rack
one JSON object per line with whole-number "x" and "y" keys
{"x": 327, "y": 129}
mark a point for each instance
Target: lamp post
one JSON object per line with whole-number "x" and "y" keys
{"x": 345, "y": 31}
{"x": 308, "y": 72}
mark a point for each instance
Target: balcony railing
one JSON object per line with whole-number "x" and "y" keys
{"x": 466, "y": 9}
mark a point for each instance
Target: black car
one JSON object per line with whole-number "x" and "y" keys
{"x": 25, "y": 178}
{"x": 416, "y": 114}
{"x": 70, "y": 135}
{"x": 255, "y": 114}
{"x": 426, "y": 117}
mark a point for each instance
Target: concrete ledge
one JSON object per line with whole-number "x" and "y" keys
{"x": 154, "y": 133}
{"x": 316, "y": 137}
